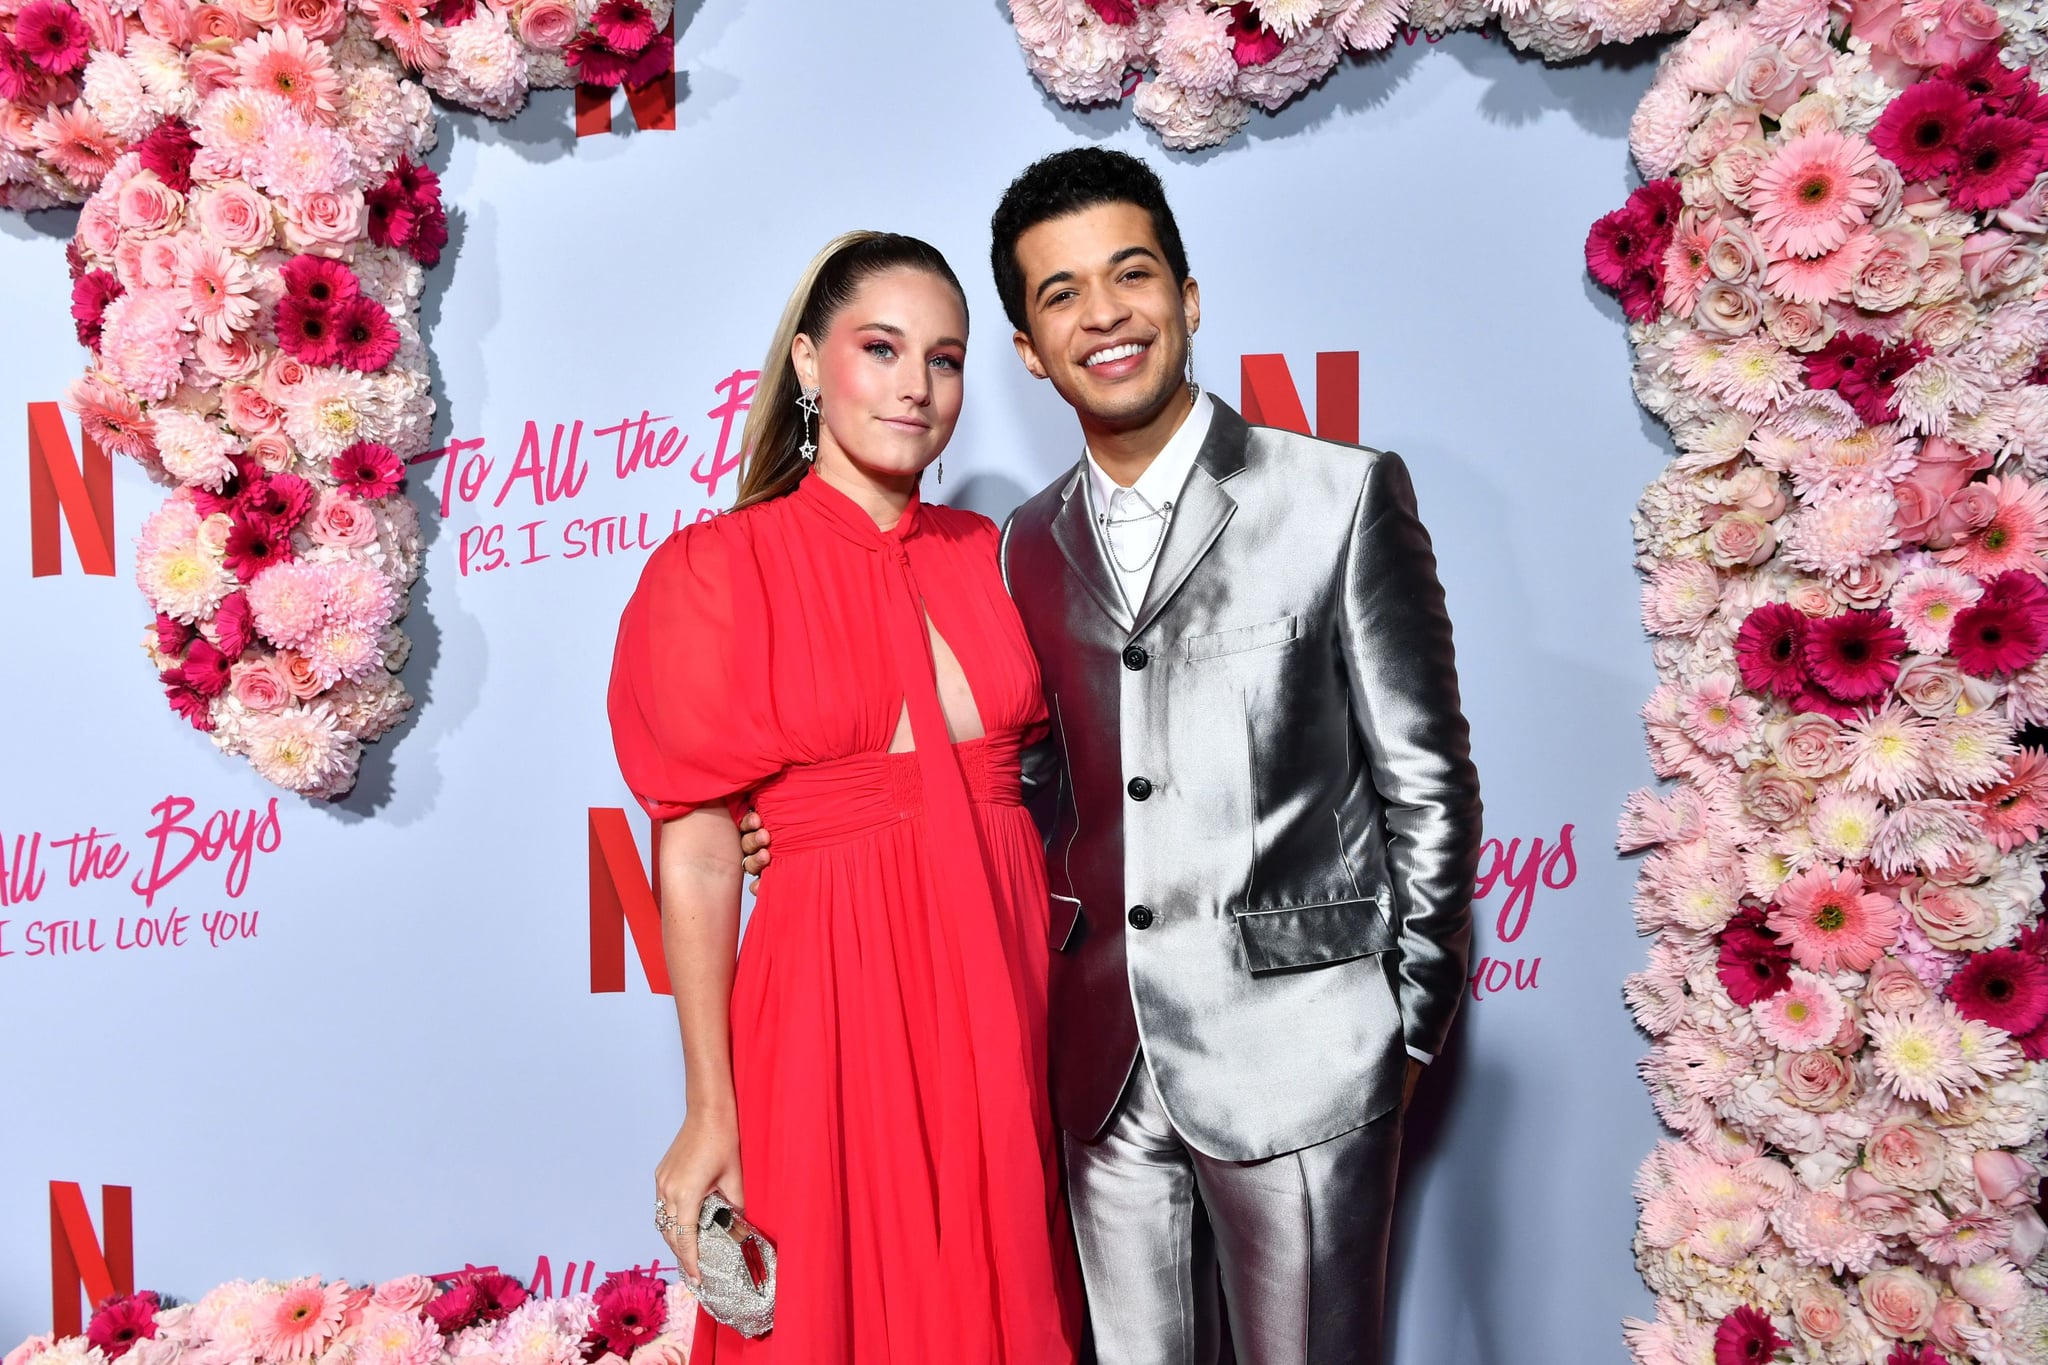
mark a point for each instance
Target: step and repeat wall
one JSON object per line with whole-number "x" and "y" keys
{"x": 409, "y": 1031}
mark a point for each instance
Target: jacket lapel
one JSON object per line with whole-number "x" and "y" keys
{"x": 1199, "y": 514}
{"x": 1083, "y": 549}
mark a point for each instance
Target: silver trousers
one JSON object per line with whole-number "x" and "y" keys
{"x": 1297, "y": 1243}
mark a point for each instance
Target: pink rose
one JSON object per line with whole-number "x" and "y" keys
{"x": 1728, "y": 310}
{"x": 211, "y": 71}
{"x": 1942, "y": 277}
{"x": 407, "y": 1293}
{"x": 1890, "y": 276}
{"x": 271, "y": 450}
{"x": 156, "y": 264}
{"x": 1899, "y": 1302}
{"x": 1809, "y": 745}
{"x": 547, "y": 24}
{"x": 1906, "y": 1153}
{"x": 1740, "y": 538}
{"x": 248, "y": 411}
{"x": 2029, "y": 212}
{"x": 150, "y": 206}
{"x": 1735, "y": 257}
{"x": 1954, "y": 1324}
{"x": 1878, "y": 1206}
{"x": 1775, "y": 797}
{"x": 1797, "y": 326}
{"x": 1811, "y": 597}
{"x": 29, "y": 1350}
{"x": 213, "y": 533}
{"x": 1868, "y": 584}
{"x": 234, "y": 215}
{"x": 1944, "y": 326}
{"x": 260, "y": 684}
{"x": 2006, "y": 1179}
{"x": 261, "y": 13}
{"x": 1822, "y": 1312}
{"x": 99, "y": 226}
{"x": 1766, "y": 81}
{"x": 211, "y": 22}
{"x": 1756, "y": 491}
{"x": 1972, "y": 23}
{"x": 322, "y": 19}
{"x": 660, "y": 1351}
{"x": 282, "y": 377}
{"x": 299, "y": 675}
{"x": 236, "y": 358}
{"x": 1893, "y": 987}
{"x": 1995, "y": 260}
{"x": 1930, "y": 685}
{"x": 1817, "y": 1081}
{"x": 1953, "y": 917}
{"x": 2029, "y": 1235}
{"x": 341, "y": 519}
{"x": 1976, "y": 504}
{"x": 168, "y": 20}
{"x": 325, "y": 221}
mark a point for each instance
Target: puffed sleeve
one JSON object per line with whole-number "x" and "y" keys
{"x": 687, "y": 717}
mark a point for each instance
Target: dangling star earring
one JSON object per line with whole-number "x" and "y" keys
{"x": 807, "y": 399}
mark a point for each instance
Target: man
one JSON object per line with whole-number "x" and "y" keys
{"x": 1263, "y": 820}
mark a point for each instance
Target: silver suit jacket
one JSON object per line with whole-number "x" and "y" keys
{"x": 1261, "y": 812}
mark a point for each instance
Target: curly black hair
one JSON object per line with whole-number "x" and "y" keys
{"x": 1068, "y": 182}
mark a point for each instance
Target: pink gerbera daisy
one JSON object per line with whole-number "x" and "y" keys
{"x": 1831, "y": 923}
{"x": 121, "y": 1321}
{"x": 254, "y": 546}
{"x": 1919, "y": 128}
{"x": 1996, "y": 159}
{"x": 320, "y": 280}
{"x": 233, "y": 624}
{"x": 1685, "y": 266}
{"x": 368, "y": 469}
{"x": 1746, "y": 1337}
{"x": 1854, "y": 656}
{"x": 110, "y": 418}
{"x": 1823, "y": 278}
{"x": 1810, "y": 195}
{"x": 2013, "y": 538}
{"x": 52, "y": 36}
{"x": 2013, "y": 812}
{"x": 219, "y": 287}
{"x": 1718, "y": 717}
{"x": 1925, "y": 603}
{"x": 76, "y": 143}
{"x": 284, "y": 62}
{"x": 300, "y": 1321}
{"x": 404, "y": 24}
{"x": 1770, "y": 650}
{"x": 1805, "y": 1015}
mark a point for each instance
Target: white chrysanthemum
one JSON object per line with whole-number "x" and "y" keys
{"x": 232, "y": 125}
{"x": 115, "y": 95}
{"x": 1195, "y": 47}
{"x": 486, "y": 63}
{"x": 182, "y": 581}
{"x": 1080, "y": 60}
{"x": 1844, "y": 825}
{"x": 1917, "y": 1054}
{"x": 1658, "y": 130}
{"x": 300, "y": 748}
{"x": 1988, "y": 1051}
{"x": 330, "y": 411}
{"x": 1368, "y": 25}
{"x": 195, "y": 449}
{"x": 1888, "y": 753}
{"x": 1835, "y": 535}
{"x": 1968, "y": 753}
{"x": 1188, "y": 120}
{"x": 165, "y": 79}
{"x": 1624, "y": 21}
{"x": 1754, "y": 373}
{"x": 1936, "y": 391}
{"x": 1288, "y": 18}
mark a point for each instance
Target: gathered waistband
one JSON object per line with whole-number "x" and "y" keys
{"x": 827, "y": 803}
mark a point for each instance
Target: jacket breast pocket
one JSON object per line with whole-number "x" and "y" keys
{"x": 1236, "y": 641}
{"x": 1067, "y": 926}
{"x": 1315, "y": 935}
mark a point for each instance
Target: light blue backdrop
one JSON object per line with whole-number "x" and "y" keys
{"x": 404, "y": 1070}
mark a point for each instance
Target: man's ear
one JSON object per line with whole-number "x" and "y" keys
{"x": 1028, "y": 353}
{"x": 1191, "y": 304}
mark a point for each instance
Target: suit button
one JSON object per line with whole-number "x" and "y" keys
{"x": 1135, "y": 658}
{"x": 1139, "y": 789}
{"x": 1140, "y": 917}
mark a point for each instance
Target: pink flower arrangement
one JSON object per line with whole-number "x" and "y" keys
{"x": 246, "y": 278}
{"x": 1195, "y": 69}
{"x": 1834, "y": 280}
{"x": 480, "y": 1317}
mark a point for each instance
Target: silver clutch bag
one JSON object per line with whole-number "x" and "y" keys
{"x": 736, "y": 1267}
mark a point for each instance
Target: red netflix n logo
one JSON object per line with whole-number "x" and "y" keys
{"x": 103, "y": 1266}
{"x": 1270, "y": 399}
{"x": 622, "y": 902}
{"x": 82, "y": 492}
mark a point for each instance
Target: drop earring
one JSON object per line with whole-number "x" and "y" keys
{"x": 1194, "y": 389}
{"x": 807, "y": 399}
{"x": 942, "y": 469}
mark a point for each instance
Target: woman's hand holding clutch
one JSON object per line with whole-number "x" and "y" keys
{"x": 705, "y": 1156}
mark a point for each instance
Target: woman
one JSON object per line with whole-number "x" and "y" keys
{"x": 844, "y": 658}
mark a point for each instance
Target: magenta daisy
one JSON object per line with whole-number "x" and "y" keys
{"x": 121, "y": 1321}
{"x": 368, "y": 469}
{"x": 1805, "y": 1015}
{"x": 1918, "y": 130}
{"x": 1770, "y": 650}
{"x": 1746, "y": 1337}
{"x": 2005, "y": 988}
{"x": 1831, "y": 923}
{"x": 628, "y": 1311}
{"x": 1816, "y": 188}
{"x": 2004, "y": 631}
{"x": 52, "y": 36}
{"x": 1925, "y": 602}
{"x": 1854, "y": 656}
{"x": 1996, "y": 159}
{"x": 365, "y": 337}
{"x": 322, "y": 282}
{"x": 1752, "y": 965}
{"x": 300, "y": 1321}
{"x": 255, "y": 546}
{"x": 1621, "y": 244}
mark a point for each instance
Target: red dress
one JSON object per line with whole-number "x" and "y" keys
{"x": 888, "y": 1011}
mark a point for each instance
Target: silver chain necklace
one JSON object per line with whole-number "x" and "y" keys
{"x": 1162, "y": 515}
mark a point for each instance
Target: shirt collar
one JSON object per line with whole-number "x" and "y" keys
{"x": 1168, "y": 473}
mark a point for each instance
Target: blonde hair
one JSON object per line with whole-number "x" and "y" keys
{"x": 774, "y": 434}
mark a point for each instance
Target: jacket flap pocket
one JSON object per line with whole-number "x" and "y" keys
{"x": 1067, "y": 924}
{"x": 1314, "y": 935}
{"x": 1237, "y": 641}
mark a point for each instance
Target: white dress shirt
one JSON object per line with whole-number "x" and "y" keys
{"x": 1130, "y": 523}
